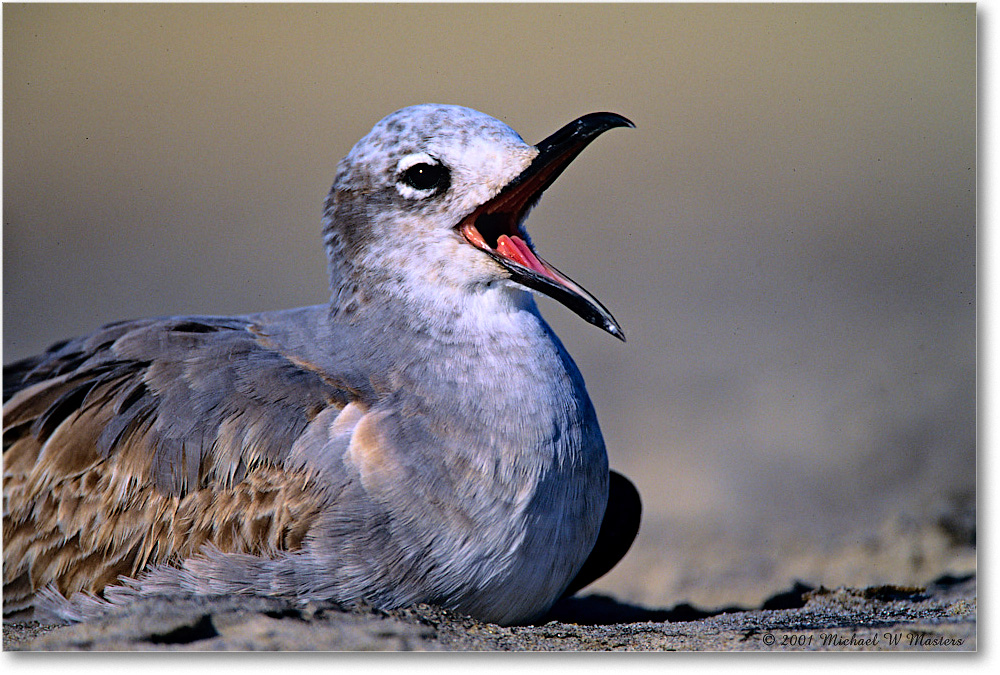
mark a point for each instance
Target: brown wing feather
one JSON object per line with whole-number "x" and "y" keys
{"x": 141, "y": 443}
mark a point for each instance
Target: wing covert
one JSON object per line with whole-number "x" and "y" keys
{"x": 139, "y": 443}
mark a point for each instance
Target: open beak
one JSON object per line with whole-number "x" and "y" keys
{"x": 497, "y": 227}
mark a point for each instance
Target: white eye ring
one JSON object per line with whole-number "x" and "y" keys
{"x": 414, "y": 159}
{"x": 408, "y": 162}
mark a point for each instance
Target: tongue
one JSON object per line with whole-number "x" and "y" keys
{"x": 517, "y": 250}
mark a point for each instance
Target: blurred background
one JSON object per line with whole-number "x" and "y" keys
{"x": 788, "y": 237}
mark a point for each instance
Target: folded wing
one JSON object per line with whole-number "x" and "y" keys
{"x": 142, "y": 442}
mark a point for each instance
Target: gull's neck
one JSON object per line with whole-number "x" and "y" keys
{"x": 479, "y": 357}
{"x": 465, "y": 326}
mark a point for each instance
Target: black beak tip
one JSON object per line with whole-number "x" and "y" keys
{"x": 580, "y": 132}
{"x": 610, "y": 120}
{"x": 596, "y": 123}
{"x": 609, "y": 325}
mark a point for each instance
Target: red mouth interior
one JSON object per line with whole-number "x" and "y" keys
{"x": 506, "y": 242}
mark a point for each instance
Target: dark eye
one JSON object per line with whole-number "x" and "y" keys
{"x": 425, "y": 177}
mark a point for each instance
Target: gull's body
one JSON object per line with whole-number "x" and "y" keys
{"x": 424, "y": 437}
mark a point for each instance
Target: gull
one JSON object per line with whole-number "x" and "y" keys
{"x": 424, "y": 437}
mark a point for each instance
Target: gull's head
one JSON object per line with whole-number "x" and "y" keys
{"x": 434, "y": 200}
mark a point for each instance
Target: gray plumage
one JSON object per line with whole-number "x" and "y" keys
{"x": 424, "y": 437}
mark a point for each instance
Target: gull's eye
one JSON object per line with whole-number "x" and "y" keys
{"x": 426, "y": 177}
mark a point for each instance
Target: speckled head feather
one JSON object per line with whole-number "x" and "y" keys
{"x": 381, "y": 232}
{"x": 422, "y": 438}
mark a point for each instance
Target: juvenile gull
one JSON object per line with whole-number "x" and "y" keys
{"x": 424, "y": 437}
